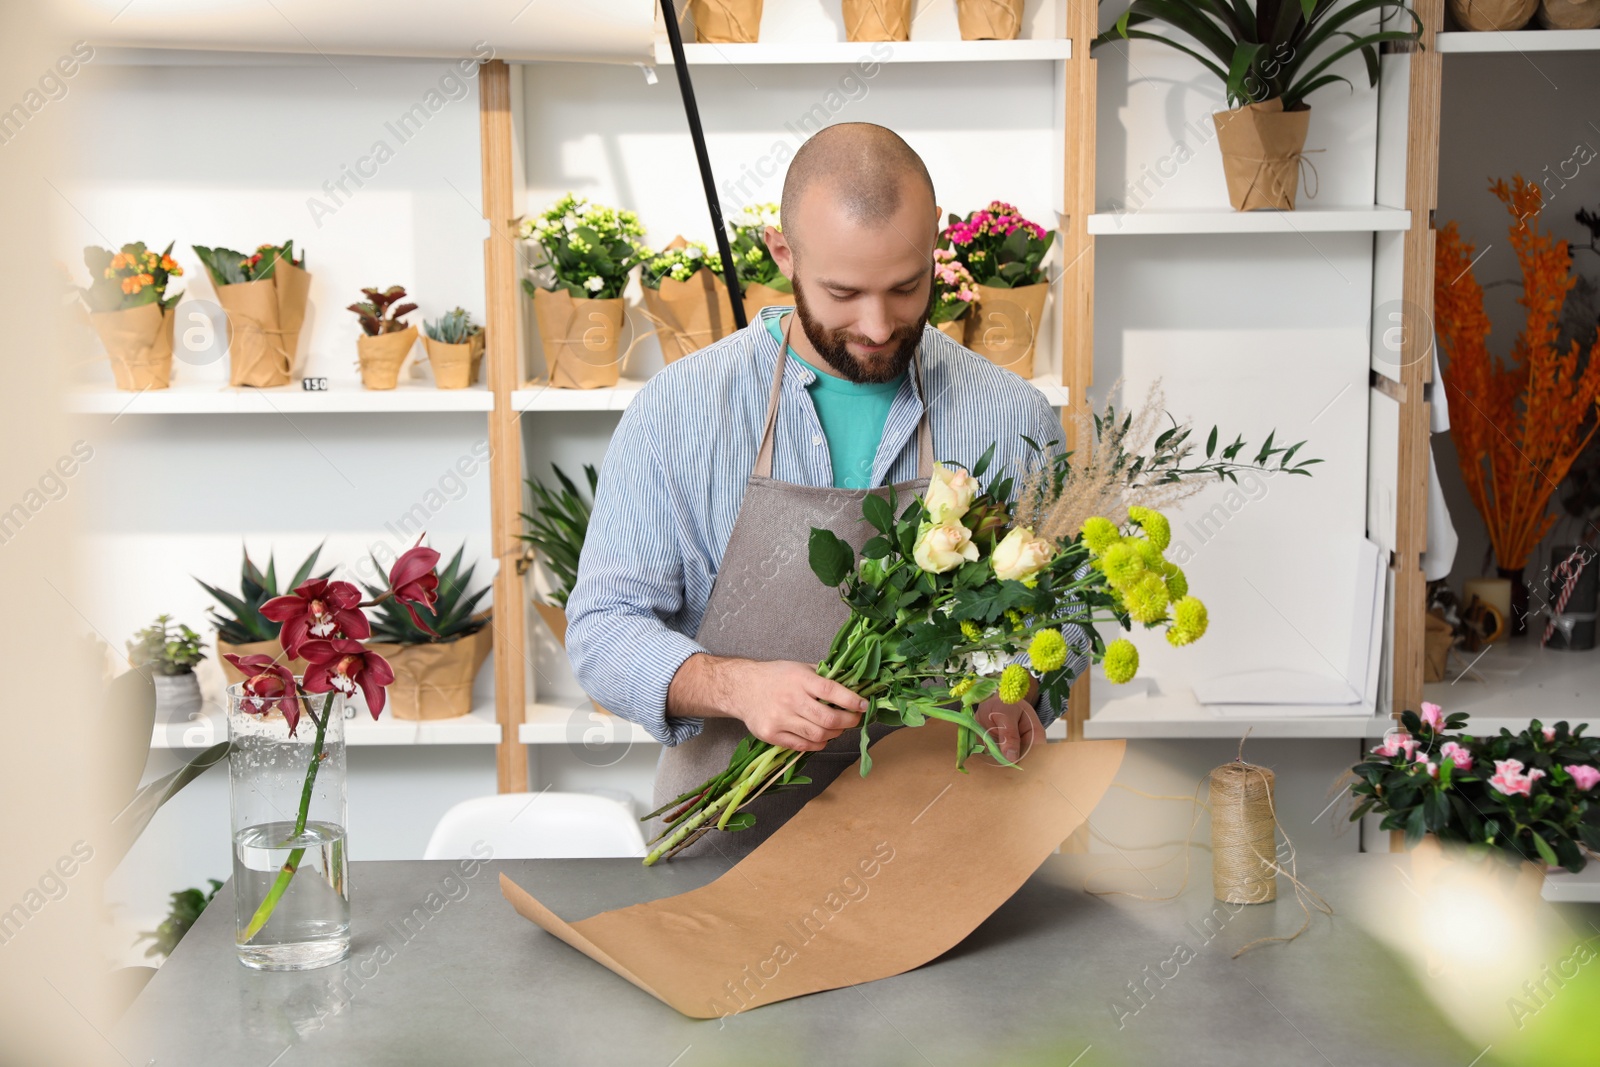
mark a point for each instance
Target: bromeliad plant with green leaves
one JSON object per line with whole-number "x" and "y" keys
{"x": 228, "y": 267}
{"x": 586, "y": 249}
{"x": 129, "y": 278}
{"x": 1273, "y": 48}
{"x": 246, "y": 625}
{"x": 166, "y": 649}
{"x": 557, "y": 527}
{"x": 748, "y": 244}
{"x": 447, "y": 617}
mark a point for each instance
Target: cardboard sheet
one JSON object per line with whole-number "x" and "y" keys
{"x": 872, "y": 878}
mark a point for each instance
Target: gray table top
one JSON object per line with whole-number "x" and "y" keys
{"x": 470, "y": 981}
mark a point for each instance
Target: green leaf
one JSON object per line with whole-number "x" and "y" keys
{"x": 984, "y": 460}
{"x": 831, "y": 558}
{"x": 1546, "y": 853}
{"x": 878, "y": 512}
{"x": 739, "y": 821}
{"x": 876, "y": 548}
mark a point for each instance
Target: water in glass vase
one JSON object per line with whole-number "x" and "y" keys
{"x": 307, "y": 920}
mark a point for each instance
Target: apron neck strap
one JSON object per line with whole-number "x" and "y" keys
{"x": 764, "y": 454}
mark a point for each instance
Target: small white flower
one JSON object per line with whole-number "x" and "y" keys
{"x": 595, "y": 283}
{"x": 985, "y": 663}
{"x": 570, "y": 222}
{"x": 692, "y": 252}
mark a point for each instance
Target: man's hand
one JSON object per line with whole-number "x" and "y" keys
{"x": 782, "y": 702}
{"x": 1015, "y": 727}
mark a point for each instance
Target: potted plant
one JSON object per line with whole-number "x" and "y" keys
{"x": 1269, "y": 60}
{"x": 454, "y": 344}
{"x": 1005, "y": 254}
{"x": 243, "y": 630}
{"x": 187, "y": 904}
{"x": 685, "y": 296}
{"x": 385, "y": 340}
{"x": 954, "y": 292}
{"x": 586, "y": 254}
{"x": 726, "y": 21}
{"x": 170, "y": 653}
{"x": 131, "y": 311}
{"x": 435, "y": 648}
{"x": 264, "y": 296}
{"x": 760, "y": 281}
{"x": 877, "y": 20}
{"x": 989, "y": 20}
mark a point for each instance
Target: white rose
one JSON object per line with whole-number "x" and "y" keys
{"x": 595, "y": 283}
{"x": 950, "y": 493}
{"x": 943, "y": 547}
{"x": 1020, "y": 555}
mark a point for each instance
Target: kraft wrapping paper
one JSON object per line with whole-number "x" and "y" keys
{"x": 989, "y": 20}
{"x": 874, "y": 877}
{"x": 454, "y": 366}
{"x": 726, "y": 21}
{"x": 876, "y": 20}
{"x": 264, "y": 321}
{"x": 381, "y": 357}
{"x": 434, "y": 680}
{"x": 1262, "y": 148}
{"x": 1004, "y": 327}
{"x": 689, "y": 315}
{"x": 757, "y": 296}
{"x": 580, "y": 338}
{"x": 139, "y": 344}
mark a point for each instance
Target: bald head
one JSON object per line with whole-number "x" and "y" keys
{"x": 865, "y": 170}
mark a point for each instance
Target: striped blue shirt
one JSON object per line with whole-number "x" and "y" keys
{"x": 674, "y": 476}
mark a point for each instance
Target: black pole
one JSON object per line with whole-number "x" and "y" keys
{"x": 692, "y": 112}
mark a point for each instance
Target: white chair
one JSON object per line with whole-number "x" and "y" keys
{"x": 536, "y": 826}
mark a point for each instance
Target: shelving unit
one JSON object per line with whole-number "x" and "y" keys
{"x": 475, "y": 728}
{"x": 810, "y": 53}
{"x": 1304, "y": 219}
{"x": 1520, "y": 41}
{"x": 618, "y": 397}
{"x": 341, "y": 398}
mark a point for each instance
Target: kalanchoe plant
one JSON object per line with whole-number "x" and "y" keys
{"x": 557, "y": 528}
{"x": 586, "y": 249}
{"x": 998, "y": 246}
{"x": 1532, "y": 795}
{"x": 228, "y": 267}
{"x": 131, "y": 278}
{"x": 247, "y": 624}
{"x": 166, "y": 649}
{"x": 322, "y": 622}
{"x": 953, "y": 291}
{"x": 380, "y": 312}
{"x": 748, "y": 244}
{"x": 437, "y": 606}
{"x": 679, "y": 264}
{"x": 454, "y": 327}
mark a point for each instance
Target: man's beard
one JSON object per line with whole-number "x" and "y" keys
{"x": 831, "y": 344}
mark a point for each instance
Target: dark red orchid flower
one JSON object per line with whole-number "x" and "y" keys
{"x": 413, "y": 580}
{"x": 342, "y": 666}
{"x": 268, "y": 684}
{"x": 318, "y": 609}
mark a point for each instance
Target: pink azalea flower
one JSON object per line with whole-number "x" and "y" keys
{"x": 1433, "y": 769}
{"x": 1396, "y": 743}
{"x": 1456, "y": 754}
{"x": 1509, "y": 780}
{"x": 1432, "y": 716}
{"x": 1583, "y": 776}
{"x": 1549, "y": 733}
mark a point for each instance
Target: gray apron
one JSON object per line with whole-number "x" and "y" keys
{"x": 767, "y": 604}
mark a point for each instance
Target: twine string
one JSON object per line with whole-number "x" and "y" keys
{"x": 1297, "y": 157}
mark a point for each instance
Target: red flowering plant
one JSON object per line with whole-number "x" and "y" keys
{"x": 323, "y": 622}
{"x": 1000, "y": 247}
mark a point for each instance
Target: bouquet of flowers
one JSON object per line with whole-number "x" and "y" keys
{"x": 131, "y": 311}
{"x": 589, "y": 249}
{"x": 1002, "y": 249}
{"x": 958, "y": 583}
{"x": 1528, "y": 794}
{"x": 324, "y": 623}
{"x": 953, "y": 292}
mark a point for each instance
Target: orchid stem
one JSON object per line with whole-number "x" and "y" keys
{"x": 270, "y": 902}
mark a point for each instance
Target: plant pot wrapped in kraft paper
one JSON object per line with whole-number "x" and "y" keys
{"x": 580, "y": 339}
{"x": 454, "y": 366}
{"x": 434, "y": 681}
{"x": 271, "y": 648}
{"x": 989, "y": 20}
{"x": 1569, "y": 14}
{"x": 1486, "y": 15}
{"x": 726, "y": 21}
{"x": 955, "y": 329}
{"x": 758, "y": 296}
{"x": 1004, "y": 327}
{"x": 139, "y": 342}
{"x": 1262, "y": 149}
{"x": 556, "y": 618}
{"x": 877, "y": 20}
{"x": 264, "y": 320}
{"x": 689, "y": 315}
{"x": 382, "y": 357}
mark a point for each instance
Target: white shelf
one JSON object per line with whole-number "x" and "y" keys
{"x": 619, "y": 396}
{"x": 1140, "y": 710}
{"x": 1564, "y": 887}
{"x": 212, "y": 398}
{"x": 578, "y": 723}
{"x": 1227, "y": 220}
{"x": 1521, "y": 681}
{"x": 475, "y": 728}
{"x": 851, "y": 52}
{"x": 1519, "y": 41}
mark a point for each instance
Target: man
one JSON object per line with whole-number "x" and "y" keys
{"x": 695, "y": 613}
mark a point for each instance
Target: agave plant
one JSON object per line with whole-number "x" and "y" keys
{"x": 381, "y": 310}
{"x": 558, "y": 528}
{"x": 1267, "y": 51}
{"x": 450, "y": 617}
{"x": 247, "y": 624}
{"x": 454, "y": 327}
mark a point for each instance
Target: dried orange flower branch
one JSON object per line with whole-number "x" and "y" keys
{"x": 1517, "y": 425}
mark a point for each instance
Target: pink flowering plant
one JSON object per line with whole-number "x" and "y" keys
{"x": 953, "y": 288}
{"x": 1533, "y": 794}
{"x": 998, "y": 246}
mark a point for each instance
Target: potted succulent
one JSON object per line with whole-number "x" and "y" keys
{"x": 454, "y": 344}
{"x": 954, "y": 292}
{"x": 586, "y": 254}
{"x": 242, "y": 629}
{"x": 1269, "y": 57}
{"x": 435, "y": 646}
{"x": 170, "y": 653}
{"x": 877, "y": 20}
{"x": 1005, "y": 254}
{"x": 989, "y": 20}
{"x": 130, "y": 309}
{"x": 685, "y": 296}
{"x": 265, "y": 298}
{"x": 726, "y": 21}
{"x": 760, "y": 280}
{"x": 385, "y": 339}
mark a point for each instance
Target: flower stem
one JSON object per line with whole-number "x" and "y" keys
{"x": 270, "y": 902}
{"x": 687, "y": 828}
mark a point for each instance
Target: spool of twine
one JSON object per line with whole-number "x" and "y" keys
{"x": 1243, "y": 834}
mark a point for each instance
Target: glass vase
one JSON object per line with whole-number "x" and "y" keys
{"x": 287, "y": 796}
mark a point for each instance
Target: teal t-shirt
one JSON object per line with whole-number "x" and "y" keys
{"x": 852, "y": 416}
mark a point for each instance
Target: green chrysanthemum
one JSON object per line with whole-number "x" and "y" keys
{"x": 1099, "y": 534}
{"x": 1177, "y": 581}
{"x": 1177, "y": 637}
{"x": 1121, "y": 564}
{"x": 1121, "y": 661}
{"x": 1146, "y": 599}
{"x": 1155, "y": 526}
{"x": 960, "y": 688}
{"x": 969, "y": 630}
{"x": 1149, "y": 554}
{"x": 1013, "y": 683}
{"x": 1047, "y": 651}
{"x": 1189, "y": 615}
{"x": 1014, "y": 617}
